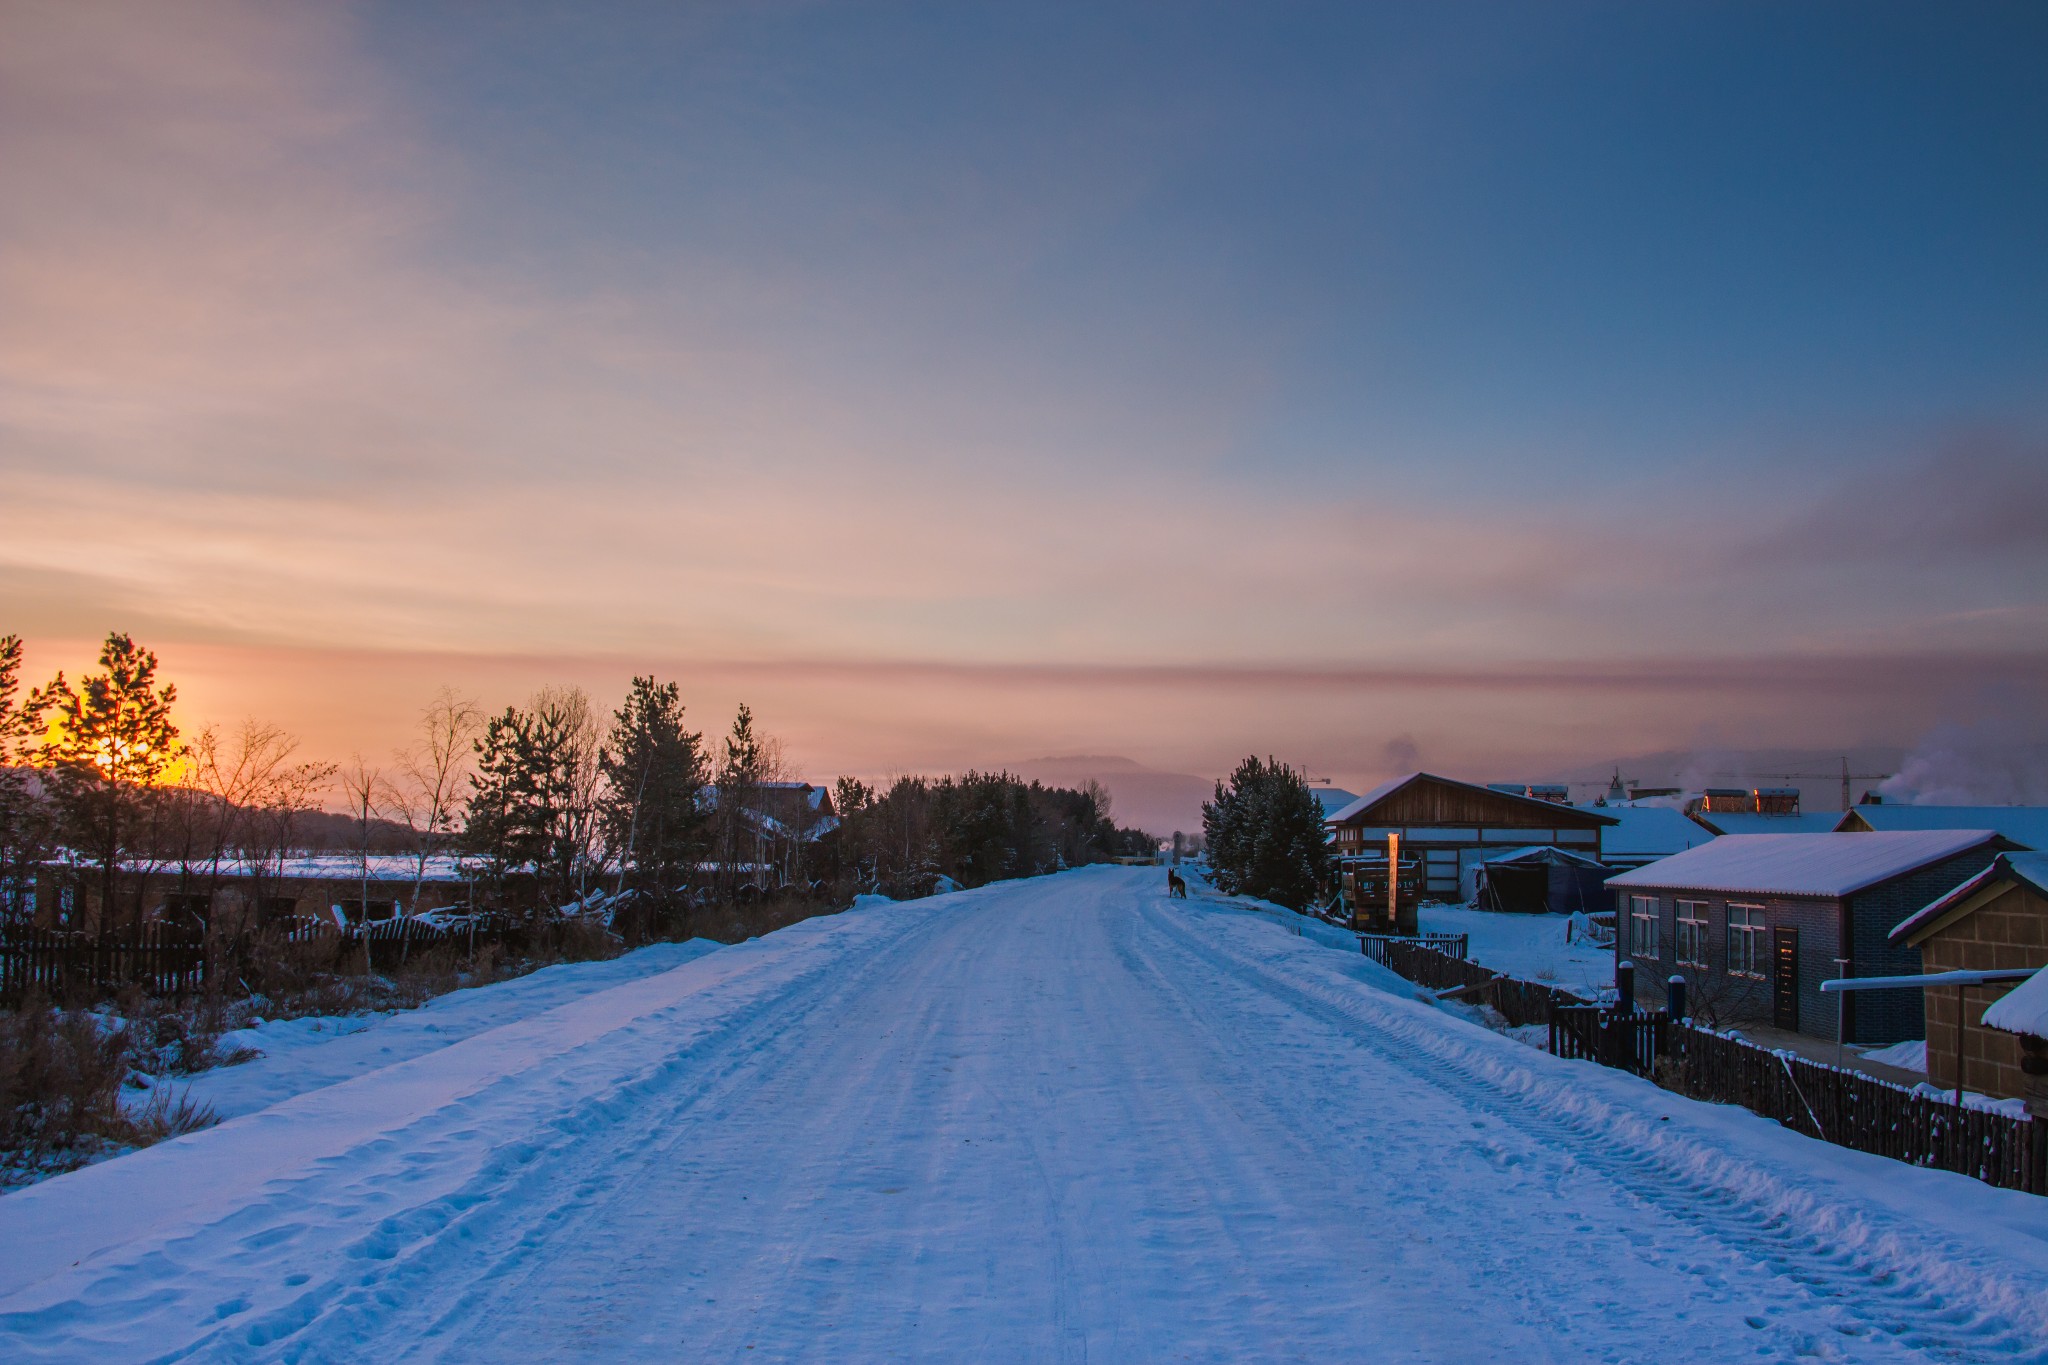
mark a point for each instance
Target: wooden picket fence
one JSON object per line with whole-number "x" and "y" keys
{"x": 161, "y": 958}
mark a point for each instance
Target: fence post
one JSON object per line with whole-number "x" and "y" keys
{"x": 1674, "y": 996}
{"x": 1625, "y": 987}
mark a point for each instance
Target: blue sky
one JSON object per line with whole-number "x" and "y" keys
{"x": 504, "y": 343}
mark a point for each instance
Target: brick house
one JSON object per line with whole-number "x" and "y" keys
{"x": 1998, "y": 919}
{"x": 1756, "y": 922}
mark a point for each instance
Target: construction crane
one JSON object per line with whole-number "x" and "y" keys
{"x": 1845, "y": 775}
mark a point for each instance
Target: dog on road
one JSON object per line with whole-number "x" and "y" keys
{"x": 1175, "y": 887}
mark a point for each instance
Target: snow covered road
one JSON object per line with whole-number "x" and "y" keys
{"x": 1054, "y": 1119}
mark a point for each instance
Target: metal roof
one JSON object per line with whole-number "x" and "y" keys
{"x": 1386, "y": 789}
{"x": 2026, "y": 825}
{"x": 1832, "y": 865}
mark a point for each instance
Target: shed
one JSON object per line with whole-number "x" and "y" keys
{"x": 1540, "y": 880}
{"x": 1452, "y": 826}
{"x": 1755, "y": 922}
{"x": 1997, "y": 920}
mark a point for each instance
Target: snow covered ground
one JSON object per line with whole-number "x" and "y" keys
{"x": 297, "y": 1055}
{"x": 1063, "y": 1118}
{"x": 1531, "y": 947}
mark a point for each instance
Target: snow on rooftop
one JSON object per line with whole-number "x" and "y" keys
{"x": 1332, "y": 799}
{"x": 1754, "y": 822}
{"x": 2024, "y": 1009}
{"x": 2022, "y": 824}
{"x": 1650, "y": 832}
{"x": 1386, "y": 789}
{"x": 1802, "y": 864}
{"x": 2029, "y": 868}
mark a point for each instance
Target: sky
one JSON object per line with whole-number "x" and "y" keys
{"x": 1486, "y": 387}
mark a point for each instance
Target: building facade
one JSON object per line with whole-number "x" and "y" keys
{"x": 1998, "y": 920}
{"x": 1449, "y": 827}
{"x": 1755, "y": 922}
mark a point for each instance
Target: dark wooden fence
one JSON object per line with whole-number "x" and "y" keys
{"x": 1519, "y": 1002}
{"x": 1841, "y": 1107}
{"x": 1857, "y": 1111}
{"x": 168, "y": 959}
{"x": 162, "y": 959}
{"x": 1374, "y": 946}
{"x": 1594, "y": 1033}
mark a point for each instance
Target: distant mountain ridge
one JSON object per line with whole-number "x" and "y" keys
{"x": 1155, "y": 801}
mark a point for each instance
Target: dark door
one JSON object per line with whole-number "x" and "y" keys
{"x": 1785, "y": 978}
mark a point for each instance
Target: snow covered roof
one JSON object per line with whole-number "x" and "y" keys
{"x": 1751, "y": 822}
{"x": 1543, "y": 853}
{"x": 1650, "y": 832}
{"x": 2028, "y": 869}
{"x": 337, "y": 867}
{"x": 1387, "y": 789}
{"x": 1802, "y": 864}
{"x": 2024, "y": 1009}
{"x": 1333, "y": 799}
{"x": 2026, "y": 825}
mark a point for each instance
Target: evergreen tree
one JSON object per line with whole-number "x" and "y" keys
{"x": 653, "y": 810}
{"x": 113, "y": 743}
{"x": 1265, "y": 835}
{"x": 739, "y": 777}
{"x": 27, "y": 820}
{"x": 532, "y": 813}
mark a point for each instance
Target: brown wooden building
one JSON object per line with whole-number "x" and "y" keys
{"x": 1451, "y": 826}
{"x": 1997, "y": 920}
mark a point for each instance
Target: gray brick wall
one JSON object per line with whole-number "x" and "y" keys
{"x": 1895, "y": 1016}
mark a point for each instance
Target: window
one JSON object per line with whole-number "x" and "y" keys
{"x": 1747, "y": 955}
{"x": 1692, "y": 933}
{"x": 1642, "y": 927}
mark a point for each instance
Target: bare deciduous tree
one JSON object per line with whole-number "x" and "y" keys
{"x": 432, "y": 773}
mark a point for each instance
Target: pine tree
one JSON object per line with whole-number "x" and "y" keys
{"x": 653, "y": 810}
{"x": 1265, "y": 835}
{"x": 739, "y": 777}
{"x": 114, "y": 741}
{"x": 27, "y": 821}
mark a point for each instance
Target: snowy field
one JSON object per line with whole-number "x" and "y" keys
{"x": 1531, "y": 947}
{"x": 1056, "y": 1119}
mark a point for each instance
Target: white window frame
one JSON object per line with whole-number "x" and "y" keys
{"x": 1748, "y": 951}
{"x": 1643, "y": 927}
{"x": 1695, "y": 922}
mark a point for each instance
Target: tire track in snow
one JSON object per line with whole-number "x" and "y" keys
{"x": 1880, "y": 1284}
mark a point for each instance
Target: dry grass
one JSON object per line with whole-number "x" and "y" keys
{"x": 62, "y": 1074}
